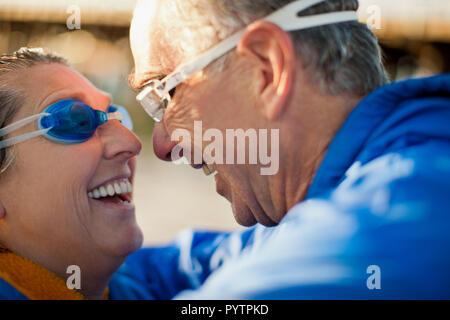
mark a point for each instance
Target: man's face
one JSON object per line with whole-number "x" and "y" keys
{"x": 220, "y": 100}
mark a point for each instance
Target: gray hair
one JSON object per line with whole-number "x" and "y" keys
{"x": 341, "y": 58}
{"x": 11, "y": 98}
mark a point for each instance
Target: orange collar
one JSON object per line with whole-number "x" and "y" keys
{"x": 34, "y": 281}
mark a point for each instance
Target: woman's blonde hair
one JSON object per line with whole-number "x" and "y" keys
{"x": 10, "y": 97}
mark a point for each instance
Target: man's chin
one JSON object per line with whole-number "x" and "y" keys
{"x": 241, "y": 211}
{"x": 243, "y": 215}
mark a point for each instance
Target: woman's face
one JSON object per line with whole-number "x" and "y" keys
{"x": 49, "y": 214}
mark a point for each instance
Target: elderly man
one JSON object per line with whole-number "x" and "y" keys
{"x": 359, "y": 205}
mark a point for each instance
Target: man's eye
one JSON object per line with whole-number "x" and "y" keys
{"x": 172, "y": 92}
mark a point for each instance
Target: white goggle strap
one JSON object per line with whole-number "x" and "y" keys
{"x": 15, "y": 140}
{"x": 288, "y": 15}
{"x": 286, "y": 18}
{"x": 186, "y": 70}
{"x": 19, "y": 124}
{"x": 114, "y": 116}
{"x": 299, "y": 23}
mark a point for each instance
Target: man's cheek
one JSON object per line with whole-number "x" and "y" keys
{"x": 180, "y": 116}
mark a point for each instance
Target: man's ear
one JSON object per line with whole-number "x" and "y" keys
{"x": 273, "y": 51}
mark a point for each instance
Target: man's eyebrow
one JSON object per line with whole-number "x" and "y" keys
{"x": 138, "y": 84}
{"x": 132, "y": 80}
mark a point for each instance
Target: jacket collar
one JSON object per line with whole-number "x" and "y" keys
{"x": 370, "y": 113}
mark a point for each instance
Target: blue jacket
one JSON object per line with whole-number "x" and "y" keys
{"x": 375, "y": 223}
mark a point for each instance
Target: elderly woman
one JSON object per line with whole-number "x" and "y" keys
{"x": 67, "y": 161}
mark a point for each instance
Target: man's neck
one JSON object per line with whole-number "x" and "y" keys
{"x": 309, "y": 131}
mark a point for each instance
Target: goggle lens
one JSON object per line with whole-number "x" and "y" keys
{"x": 72, "y": 121}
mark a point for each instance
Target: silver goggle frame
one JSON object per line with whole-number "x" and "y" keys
{"x": 155, "y": 96}
{"x": 154, "y": 99}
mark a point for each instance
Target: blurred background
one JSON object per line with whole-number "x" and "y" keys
{"x": 414, "y": 34}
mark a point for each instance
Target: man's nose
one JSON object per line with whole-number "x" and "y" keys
{"x": 162, "y": 143}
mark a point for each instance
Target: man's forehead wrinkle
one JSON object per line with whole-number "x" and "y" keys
{"x": 165, "y": 37}
{"x": 174, "y": 29}
{"x": 189, "y": 30}
{"x": 145, "y": 21}
{"x": 164, "y": 53}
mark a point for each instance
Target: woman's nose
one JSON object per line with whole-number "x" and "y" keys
{"x": 119, "y": 141}
{"x": 162, "y": 143}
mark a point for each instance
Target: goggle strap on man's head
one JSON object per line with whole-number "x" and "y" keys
{"x": 286, "y": 18}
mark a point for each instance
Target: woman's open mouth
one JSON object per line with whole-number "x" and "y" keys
{"x": 115, "y": 192}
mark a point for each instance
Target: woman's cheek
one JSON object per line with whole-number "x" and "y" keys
{"x": 80, "y": 165}
{"x": 132, "y": 164}
{"x": 77, "y": 166}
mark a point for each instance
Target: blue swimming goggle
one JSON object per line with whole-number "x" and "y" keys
{"x": 67, "y": 122}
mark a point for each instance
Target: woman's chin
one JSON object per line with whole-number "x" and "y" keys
{"x": 124, "y": 242}
{"x": 114, "y": 228}
{"x": 131, "y": 243}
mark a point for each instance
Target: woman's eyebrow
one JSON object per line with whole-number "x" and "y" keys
{"x": 58, "y": 96}
{"x": 76, "y": 95}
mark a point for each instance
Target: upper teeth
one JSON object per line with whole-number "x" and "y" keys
{"x": 208, "y": 169}
{"x": 111, "y": 189}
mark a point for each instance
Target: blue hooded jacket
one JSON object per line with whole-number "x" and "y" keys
{"x": 374, "y": 225}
